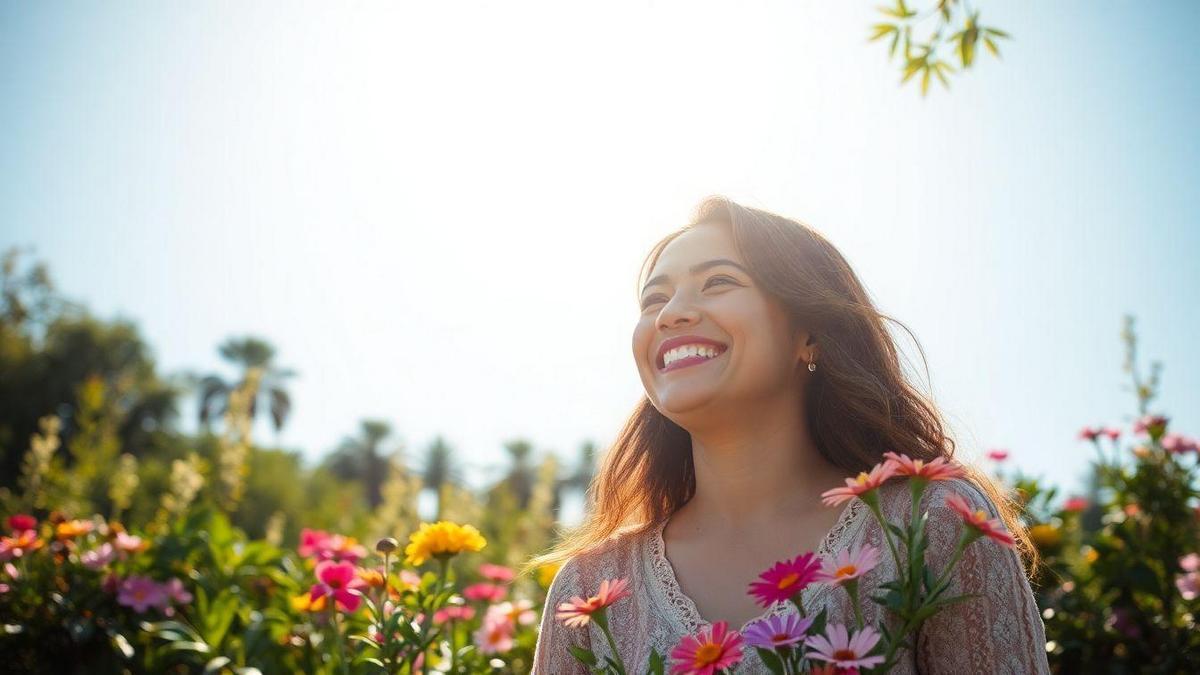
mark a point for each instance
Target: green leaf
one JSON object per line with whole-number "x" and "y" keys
{"x": 216, "y": 664}
{"x": 657, "y": 663}
{"x": 996, "y": 31}
{"x": 991, "y": 46}
{"x": 584, "y": 656}
{"x": 882, "y": 29}
{"x": 771, "y": 659}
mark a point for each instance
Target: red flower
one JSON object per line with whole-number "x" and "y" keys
{"x": 484, "y": 592}
{"x": 979, "y": 521}
{"x": 997, "y": 454}
{"x": 578, "y": 611}
{"x": 19, "y": 522}
{"x": 340, "y": 580}
{"x": 1089, "y": 433}
{"x": 711, "y": 651}
{"x": 1076, "y": 504}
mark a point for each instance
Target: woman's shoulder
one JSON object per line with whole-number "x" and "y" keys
{"x": 896, "y": 496}
{"x": 617, "y": 556}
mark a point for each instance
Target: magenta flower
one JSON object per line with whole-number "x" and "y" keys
{"x": 322, "y": 545}
{"x": 1178, "y": 443}
{"x": 1151, "y": 425}
{"x": 484, "y": 592}
{"x": 1089, "y": 433}
{"x": 848, "y": 565}
{"x": 1076, "y": 504}
{"x": 497, "y": 573}
{"x": 776, "y": 632}
{"x": 785, "y": 579}
{"x": 340, "y": 580}
{"x": 997, "y": 454}
{"x": 311, "y": 542}
{"x": 843, "y": 649}
{"x": 496, "y": 635}
{"x": 453, "y": 613}
{"x": 710, "y": 651}
{"x": 141, "y": 593}
{"x": 20, "y": 522}
{"x": 1113, "y": 433}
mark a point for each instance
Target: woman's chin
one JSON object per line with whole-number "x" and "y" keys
{"x": 685, "y": 402}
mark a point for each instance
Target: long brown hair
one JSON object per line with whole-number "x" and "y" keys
{"x": 858, "y": 406}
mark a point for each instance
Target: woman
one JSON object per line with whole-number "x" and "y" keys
{"x": 769, "y": 378}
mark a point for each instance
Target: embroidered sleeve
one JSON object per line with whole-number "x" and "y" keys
{"x": 551, "y": 655}
{"x": 1000, "y": 630}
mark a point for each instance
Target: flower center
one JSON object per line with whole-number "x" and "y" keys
{"x": 708, "y": 654}
{"x": 789, "y": 580}
{"x": 846, "y": 571}
{"x": 845, "y": 655}
{"x": 780, "y": 637}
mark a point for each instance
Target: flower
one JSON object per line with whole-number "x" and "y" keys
{"x": 498, "y": 573}
{"x": 19, "y": 522}
{"x": 937, "y": 469}
{"x": 711, "y": 650}
{"x": 830, "y": 669}
{"x": 1190, "y": 562}
{"x": 547, "y": 572}
{"x": 518, "y": 613}
{"x": 387, "y": 545}
{"x": 496, "y": 633}
{"x": 1178, "y": 443}
{"x": 442, "y": 540}
{"x": 454, "y": 612}
{"x": 785, "y": 579}
{"x": 370, "y": 577}
{"x": 18, "y": 545}
{"x": 997, "y": 454}
{"x": 1075, "y": 504}
{"x": 484, "y": 592}
{"x": 978, "y": 520}
{"x": 1045, "y": 535}
{"x": 141, "y": 593}
{"x": 848, "y": 565}
{"x": 175, "y": 590}
{"x": 74, "y": 528}
{"x": 1188, "y": 585}
{"x": 1151, "y": 425}
{"x": 1113, "y": 433}
{"x": 859, "y": 485}
{"x": 777, "y": 631}
{"x": 340, "y": 580}
{"x": 323, "y": 545}
{"x": 306, "y": 603}
{"x": 844, "y": 650}
{"x": 578, "y": 612}
{"x": 1089, "y": 433}
{"x": 99, "y": 557}
{"x": 127, "y": 543}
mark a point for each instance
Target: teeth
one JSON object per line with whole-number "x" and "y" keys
{"x": 685, "y": 351}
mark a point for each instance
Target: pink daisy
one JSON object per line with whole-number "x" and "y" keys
{"x": 578, "y": 611}
{"x": 498, "y": 573}
{"x": 484, "y": 592}
{"x": 785, "y": 579}
{"x": 844, "y": 650}
{"x": 709, "y": 651}
{"x": 997, "y": 454}
{"x": 978, "y": 519}
{"x": 777, "y": 631}
{"x": 848, "y": 565}
{"x": 339, "y": 579}
{"x": 1090, "y": 433}
{"x": 1153, "y": 425}
{"x": 937, "y": 469}
{"x": 1113, "y": 433}
{"x": 862, "y": 483}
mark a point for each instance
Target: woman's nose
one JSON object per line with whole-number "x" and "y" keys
{"x": 677, "y": 312}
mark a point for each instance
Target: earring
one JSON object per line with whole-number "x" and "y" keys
{"x": 812, "y": 366}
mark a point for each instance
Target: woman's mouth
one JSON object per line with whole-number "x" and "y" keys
{"x": 689, "y": 355}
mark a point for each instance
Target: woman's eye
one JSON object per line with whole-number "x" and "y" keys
{"x": 651, "y": 300}
{"x": 712, "y": 281}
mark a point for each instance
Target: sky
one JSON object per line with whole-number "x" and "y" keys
{"x": 437, "y": 211}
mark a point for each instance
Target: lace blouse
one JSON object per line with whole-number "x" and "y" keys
{"x": 1001, "y": 631}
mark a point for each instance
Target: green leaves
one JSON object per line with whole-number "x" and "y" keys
{"x": 925, "y": 57}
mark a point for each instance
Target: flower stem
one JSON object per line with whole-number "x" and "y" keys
{"x": 337, "y": 633}
{"x": 601, "y": 618}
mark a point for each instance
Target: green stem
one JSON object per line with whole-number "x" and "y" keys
{"x": 852, "y": 589}
{"x": 337, "y": 632}
{"x": 887, "y": 536}
{"x": 601, "y": 618}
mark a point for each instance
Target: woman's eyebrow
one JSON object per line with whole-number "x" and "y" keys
{"x": 695, "y": 269}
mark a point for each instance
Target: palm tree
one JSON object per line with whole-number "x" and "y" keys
{"x": 520, "y": 477}
{"x": 358, "y": 458}
{"x": 440, "y": 470}
{"x": 249, "y": 353}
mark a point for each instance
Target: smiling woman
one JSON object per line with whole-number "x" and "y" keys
{"x": 769, "y": 376}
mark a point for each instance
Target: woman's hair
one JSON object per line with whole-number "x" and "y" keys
{"x": 858, "y": 405}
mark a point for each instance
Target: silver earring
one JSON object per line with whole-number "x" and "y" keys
{"x": 812, "y": 366}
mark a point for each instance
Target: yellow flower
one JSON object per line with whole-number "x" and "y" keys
{"x": 1045, "y": 536}
{"x": 73, "y": 528}
{"x": 546, "y": 573}
{"x": 305, "y": 603}
{"x": 442, "y": 540}
{"x": 1090, "y": 554}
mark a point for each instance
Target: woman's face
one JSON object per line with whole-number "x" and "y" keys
{"x": 707, "y": 335}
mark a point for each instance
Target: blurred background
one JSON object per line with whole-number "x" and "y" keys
{"x": 352, "y": 265}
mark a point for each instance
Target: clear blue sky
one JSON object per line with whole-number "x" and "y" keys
{"x": 436, "y": 211}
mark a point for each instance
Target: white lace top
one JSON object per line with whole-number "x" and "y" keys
{"x": 999, "y": 632}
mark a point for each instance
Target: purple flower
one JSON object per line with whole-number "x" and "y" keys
{"x": 141, "y": 593}
{"x": 775, "y": 632}
{"x": 175, "y": 590}
{"x": 98, "y": 557}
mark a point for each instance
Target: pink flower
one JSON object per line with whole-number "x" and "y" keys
{"x": 1076, "y": 504}
{"x": 99, "y": 557}
{"x": 843, "y": 650}
{"x": 1089, "y": 433}
{"x": 128, "y": 543}
{"x": 1113, "y": 433}
{"x": 711, "y": 650}
{"x": 19, "y": 522}
{"x": 937, "y": 469}
{"x": 848, "y": 565}
{"x": 978, "y": 520}
{"x": 141, "y": 593}
{"x": 519, "y": 613}
{"x": 495, "y": 635}
{"x": 1188, "y": 585}
{"x": 322, "y": 545}
{"x": 11, "y": 570}
{"x": 997, "y": 454}
{"x": 1178, "y": 443}
{"x": 175, "y": 590}
{"x": 1152, "y": 425}
{"x": 775, "y": 632}
{"x": 1190, "y": 562}
{"x": 484, "y": 592}
{"x": 311, "y": 542}
{"x": 859, "y": 485}
{"x": 340, "y": 580}
{"x": 453, "y": 613}
{"x": 19, "y": 544}
{"x": 498, "y": 573}
{"x": 578, "y": 611}
{"x": 785, "y": 579}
